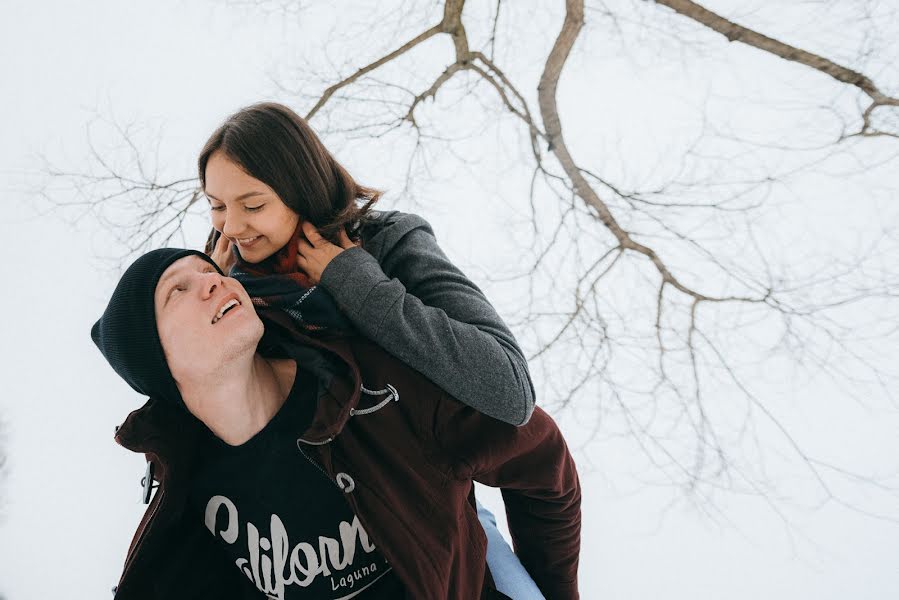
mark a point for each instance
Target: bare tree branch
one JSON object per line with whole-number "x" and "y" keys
{"x": 668, "y": 248}
{"x": 737, "y": 33}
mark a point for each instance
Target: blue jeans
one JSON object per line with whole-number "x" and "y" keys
{"x": 509, "y": 575}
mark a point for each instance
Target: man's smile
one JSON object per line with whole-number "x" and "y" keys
{"x": 229, "y": 302}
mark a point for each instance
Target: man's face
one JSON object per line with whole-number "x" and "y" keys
{"x": 197, "y": 337}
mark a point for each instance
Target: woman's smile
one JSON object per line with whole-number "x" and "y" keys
{"x": 248, "y": 242}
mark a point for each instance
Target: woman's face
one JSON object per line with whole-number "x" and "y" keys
{"x": 246, "y": 210}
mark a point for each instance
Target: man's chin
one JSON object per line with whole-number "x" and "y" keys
{"x": 243, "y": 340}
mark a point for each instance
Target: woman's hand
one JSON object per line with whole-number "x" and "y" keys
{"x": 313, "y": 256}
{"x": 222, "y": 254}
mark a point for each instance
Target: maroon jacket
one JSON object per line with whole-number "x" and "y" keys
{"x": 406, "y": 468}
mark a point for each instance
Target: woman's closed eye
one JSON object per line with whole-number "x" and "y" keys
{"x": 247, "y": 208}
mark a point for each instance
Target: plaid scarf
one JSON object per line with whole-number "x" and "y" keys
{"x": 277, "y": 283}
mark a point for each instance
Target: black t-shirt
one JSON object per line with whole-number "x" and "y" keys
{"x": 286, "y": 525}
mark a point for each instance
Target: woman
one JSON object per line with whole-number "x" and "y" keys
{"x": 286, "y": 224}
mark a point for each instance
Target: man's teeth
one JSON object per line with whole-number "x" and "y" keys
{"x": 224, "y": 308}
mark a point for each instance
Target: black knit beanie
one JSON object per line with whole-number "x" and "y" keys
{"x": 126, "y": 334}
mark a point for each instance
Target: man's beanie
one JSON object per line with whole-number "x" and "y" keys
{"x": 126, "y": 334}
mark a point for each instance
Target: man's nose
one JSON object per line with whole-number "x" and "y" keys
{"x": 209, "y": 282}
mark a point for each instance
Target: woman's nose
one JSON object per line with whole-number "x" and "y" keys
{"x": 233, "y": 226}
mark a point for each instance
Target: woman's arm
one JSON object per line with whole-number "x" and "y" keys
{"x": 420, "y": 307}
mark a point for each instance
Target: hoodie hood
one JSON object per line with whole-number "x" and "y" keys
{"x": 158, "y": 428}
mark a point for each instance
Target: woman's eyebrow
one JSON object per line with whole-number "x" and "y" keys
{"x": 242, "y": 196}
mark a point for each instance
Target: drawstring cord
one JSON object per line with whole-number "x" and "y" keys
{"x": 394, "y": 395}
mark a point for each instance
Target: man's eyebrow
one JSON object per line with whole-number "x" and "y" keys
{"x": 161, "y": 284}
{"x": 241, "y": 197}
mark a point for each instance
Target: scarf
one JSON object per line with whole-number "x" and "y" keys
{"x": 277, "y": 283}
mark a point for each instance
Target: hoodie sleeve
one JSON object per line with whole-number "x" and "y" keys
{"x": 538, "y": 479}
{"x": 421, "y": 308}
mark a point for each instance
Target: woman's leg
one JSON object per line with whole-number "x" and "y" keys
{"x": 509, "y": 574}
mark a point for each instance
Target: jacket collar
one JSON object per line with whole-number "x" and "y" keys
{"x": 169, "y": 432}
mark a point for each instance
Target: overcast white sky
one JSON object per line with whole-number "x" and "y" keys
{"x": 70, "y": 500}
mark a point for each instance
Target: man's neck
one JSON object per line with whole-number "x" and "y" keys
{"x": 235, "y": 406}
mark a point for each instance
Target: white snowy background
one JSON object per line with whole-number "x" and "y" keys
{"x": 69, "y": 501}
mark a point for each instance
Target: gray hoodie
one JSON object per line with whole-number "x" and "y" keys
{"x": 401, "y": 291}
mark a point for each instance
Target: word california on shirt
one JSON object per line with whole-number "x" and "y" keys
{"x": 283, "y": 522}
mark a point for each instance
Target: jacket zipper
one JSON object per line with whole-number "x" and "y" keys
{"x": 307, "y": 457}
{"x": 141, "y": 535}
{"x": 356, "y": 512}
{"x": 328, "y": 477}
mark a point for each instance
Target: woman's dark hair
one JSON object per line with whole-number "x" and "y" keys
{"x": 273, "y": 144}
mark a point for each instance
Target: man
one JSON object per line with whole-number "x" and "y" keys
{"x": 262, "y": 436}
